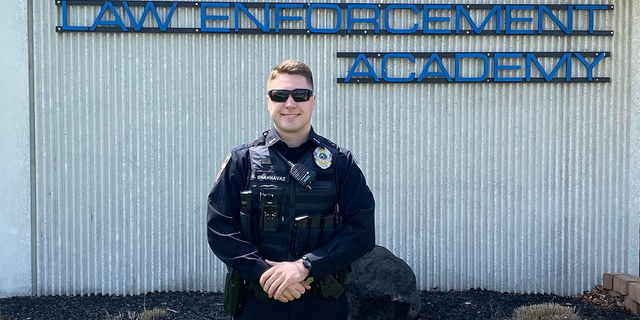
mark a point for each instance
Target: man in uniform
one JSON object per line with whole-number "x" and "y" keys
{"x": 289, "y": 212}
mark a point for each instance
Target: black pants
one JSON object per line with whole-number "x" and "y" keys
{"x": 310, "y": 306}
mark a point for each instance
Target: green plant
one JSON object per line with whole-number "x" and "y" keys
{"x": 545, "y": 311}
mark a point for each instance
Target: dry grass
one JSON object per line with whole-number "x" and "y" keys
{"x": 546, "y": 311}
{"x": 152, "y": 314}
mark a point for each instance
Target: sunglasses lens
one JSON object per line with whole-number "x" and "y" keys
{"x": 279, "y": 95}
{"x": 299, "y": 95}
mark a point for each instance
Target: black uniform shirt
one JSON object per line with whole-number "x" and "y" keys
{"x": 294, "y": 154}
{"x": 355, "y": 201}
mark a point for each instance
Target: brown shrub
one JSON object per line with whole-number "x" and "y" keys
{"x": 153, "y": 314}
{"x": 545, "y": 311}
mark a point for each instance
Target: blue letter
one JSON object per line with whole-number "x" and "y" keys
{"x": 116, "y": 22}
{"x": 325, "y": 6}
{"x": 264, "y": 27}
{"x": 397, "y": 55}
{"x": 353, "y": 72}
{"x": 426, "y": 18}
{"x": 588, "y": 65}
{"x": 351, "y": 20}
{"x": 494, "y": 11}
{"x": 150, "y": 6}
{"x": 548, "y": 77}
{"x": 399, "y": 6}
{"x": 426, "y": 73}
{"x": 508, "y": 20}
{"x": 591, "y": 18}
{"x": 497, "y": 67}
{"x": 568, "y": 29}
{"x": 65, "y": 20}
{"x": 204, "y": 17}
{"x": 279, "y": 18}
{"x": 471, "y": 55}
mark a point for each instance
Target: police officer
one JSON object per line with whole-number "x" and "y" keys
{"x": 289, "y": 212}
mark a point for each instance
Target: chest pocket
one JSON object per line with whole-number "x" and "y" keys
{"x": 270, "y": 203}
{"x": 270, "y": 197}
{"x": 321, "y": 198}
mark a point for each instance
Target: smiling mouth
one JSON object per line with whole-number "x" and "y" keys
{"x": 290, "y": 115}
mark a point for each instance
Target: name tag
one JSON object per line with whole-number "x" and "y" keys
{"x": 269, "y": 176}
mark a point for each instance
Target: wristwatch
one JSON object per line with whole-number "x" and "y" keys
{"x": 307, "y": 264}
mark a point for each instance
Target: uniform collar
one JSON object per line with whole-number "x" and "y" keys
{"x": 273, "y": 137}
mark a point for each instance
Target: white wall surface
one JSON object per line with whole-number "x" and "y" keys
{"x": 15, "y": 181}
{"x": 634, "y": 141}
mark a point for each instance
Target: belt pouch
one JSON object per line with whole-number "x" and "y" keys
{"x": 233, "y": 292}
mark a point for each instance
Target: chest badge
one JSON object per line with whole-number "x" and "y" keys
{"x": 323, "y": 157}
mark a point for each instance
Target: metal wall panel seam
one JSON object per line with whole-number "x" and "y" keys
{"x": 32, "y": 151}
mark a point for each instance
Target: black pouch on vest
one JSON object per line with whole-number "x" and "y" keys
{"x": 327, "y": 229}
{"x": 268, "y": 213}
{"x": 245, "y": 214}
{"x": 314, "y": 232}
{"x": 301, "y": 234}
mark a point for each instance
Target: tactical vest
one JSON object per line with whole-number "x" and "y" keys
{"x": 283, "y": 219}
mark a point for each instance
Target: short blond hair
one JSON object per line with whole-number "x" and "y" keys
{"x": 292, "y": 67}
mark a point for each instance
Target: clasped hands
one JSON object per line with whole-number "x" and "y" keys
{"x": 284, "y": 281}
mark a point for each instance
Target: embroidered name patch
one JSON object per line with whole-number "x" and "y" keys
{"x": 269, "y": 176}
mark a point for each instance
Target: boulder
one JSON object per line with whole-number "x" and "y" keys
{"x": 383, "y": 287}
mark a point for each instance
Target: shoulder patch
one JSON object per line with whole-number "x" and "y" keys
{"x": 224, "y": 166}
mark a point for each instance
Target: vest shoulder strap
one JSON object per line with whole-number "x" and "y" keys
{"x": 328, "y": 142}
{"x": 258, "y": 141}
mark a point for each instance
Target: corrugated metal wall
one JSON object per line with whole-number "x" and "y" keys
{"x": 509, "y": 187}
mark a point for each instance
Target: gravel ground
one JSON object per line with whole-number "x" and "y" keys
{"x": 472, "y": 304}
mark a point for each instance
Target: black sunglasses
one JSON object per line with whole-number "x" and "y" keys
{"x": 299, "y": 95}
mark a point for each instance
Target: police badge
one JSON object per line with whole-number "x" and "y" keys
{"x": 323, "y": 157}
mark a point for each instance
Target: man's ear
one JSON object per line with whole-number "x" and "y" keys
{"x": 314, "y": 102}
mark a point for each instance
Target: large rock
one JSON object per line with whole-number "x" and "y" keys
{"x": 383, "y": 287}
